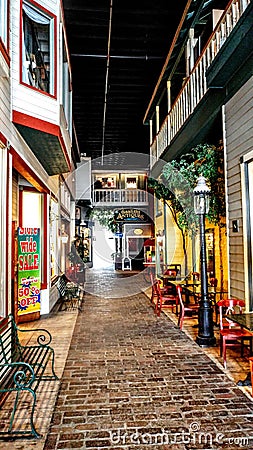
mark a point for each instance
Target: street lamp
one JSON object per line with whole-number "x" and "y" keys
{"x": 205, "y": 319}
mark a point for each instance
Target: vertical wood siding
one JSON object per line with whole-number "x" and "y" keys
{"x": 238, "y": 129}
{"x": 5, "y": 106}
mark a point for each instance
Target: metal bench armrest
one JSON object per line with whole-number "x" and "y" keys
{"x": 19, "y": 375}
{"x": 44, "y": 338}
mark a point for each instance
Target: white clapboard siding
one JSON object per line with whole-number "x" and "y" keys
{"x": 29, "y": 101}
{"x": 239, "y": 138}
{"x": 5, "y": 106}
{"x": 9, "y": 131}
{"x": 39, "y": 105}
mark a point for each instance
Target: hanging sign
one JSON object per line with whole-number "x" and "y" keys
{"x": 29, "y": 277}
{"x": 118, "y": 234}
{"x": 130, "y": 215}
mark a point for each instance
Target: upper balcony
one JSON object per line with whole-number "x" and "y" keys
{"x": 119, "y": 197}
{"x": 115, "y": 189}
{"x": 228, "y": 54}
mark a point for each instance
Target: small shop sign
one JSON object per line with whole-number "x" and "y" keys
{"x": 118, "y": 234}
{"x": 29, "y": 275}
{"x": 130, "y": 215}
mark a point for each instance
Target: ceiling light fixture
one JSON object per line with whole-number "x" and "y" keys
{"x": 138, "y": 231}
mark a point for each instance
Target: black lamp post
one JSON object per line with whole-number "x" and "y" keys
{"x": 205, "y": 320}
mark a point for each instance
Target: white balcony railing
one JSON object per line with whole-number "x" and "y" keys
{"x": 120, "y": 196}
{"x": 195, "y": 85}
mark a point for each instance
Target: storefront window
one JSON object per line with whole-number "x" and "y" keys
{"x": 105, "y": 181}
{"x": 37, "y": 49}
{"x": 131, "y": 182}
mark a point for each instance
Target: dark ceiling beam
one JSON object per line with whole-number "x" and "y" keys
{"x": 141, "y": 57}
{"x": 140, "y": 40}
{"x": 188, "y": 20}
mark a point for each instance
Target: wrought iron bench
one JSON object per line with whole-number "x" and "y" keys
{"x": 71, "y": 294}
{"x": 22, "y": 368}
{"x": 61, "y": 285}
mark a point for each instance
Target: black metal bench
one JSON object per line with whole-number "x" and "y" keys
{"x": 61, "y": 285}
{"x": 22, "y": 368}
{"x": 71, "y": 294}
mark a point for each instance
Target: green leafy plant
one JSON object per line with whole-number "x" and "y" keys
{"x": 177, "y": 181}
{"x": 105, "y": 218}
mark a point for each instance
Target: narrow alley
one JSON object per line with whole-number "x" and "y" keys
{"x": 135, "y": 381}
{"x": 132, "y": 380}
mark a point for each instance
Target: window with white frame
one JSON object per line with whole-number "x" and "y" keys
{"x": 3, "y": 21}
{"x": 37, "y": 48}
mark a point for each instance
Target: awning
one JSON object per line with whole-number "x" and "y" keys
{"x": 149, "y": 243}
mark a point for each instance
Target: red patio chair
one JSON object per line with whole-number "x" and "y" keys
{"x": 251, "y": 373}
{"x": 232, "y": 334}
{"x": 213, "y": 282}
{"x": 164, "y": 300}
{"x": 186, "y": 310}
{"x": 196, "y": 276}
{"x": 166, "y": 290}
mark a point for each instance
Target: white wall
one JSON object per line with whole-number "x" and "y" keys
{"x": 83, "y": 179}
{"x": 103, "y": 247}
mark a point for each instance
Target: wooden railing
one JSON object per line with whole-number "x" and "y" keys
{"x": 195, "y": 86}
{"x": 120, "y": 196}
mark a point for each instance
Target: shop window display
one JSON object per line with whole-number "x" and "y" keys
{"x": 105, "y": 182}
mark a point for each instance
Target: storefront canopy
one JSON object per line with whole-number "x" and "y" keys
{"x": 149, "y": 243}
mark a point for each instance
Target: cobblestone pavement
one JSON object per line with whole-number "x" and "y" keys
{"x": 135, "y": 381}
{"x": 131, "y": 380}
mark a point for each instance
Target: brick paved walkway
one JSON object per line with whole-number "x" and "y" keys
{"x": 135, "y": 381}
